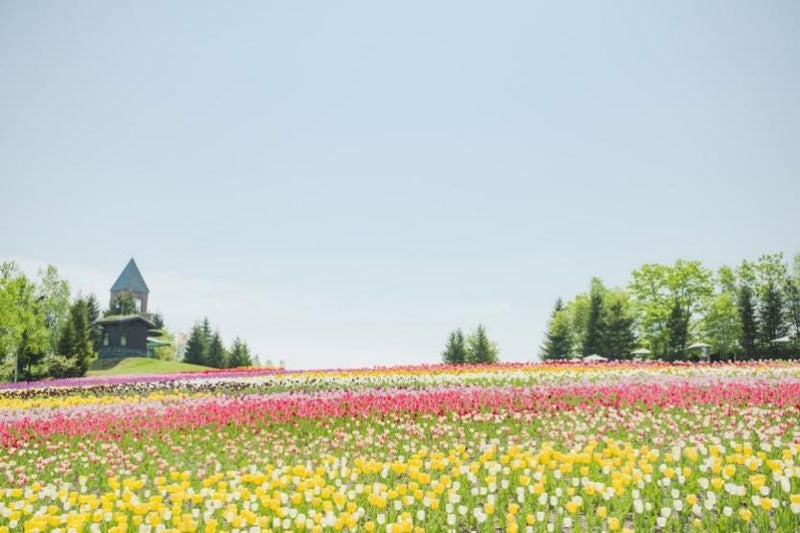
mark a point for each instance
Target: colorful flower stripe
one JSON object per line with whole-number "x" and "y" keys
{"x": 254, "y": 409}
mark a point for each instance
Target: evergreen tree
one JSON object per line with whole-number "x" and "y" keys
{"x": 619, "y": 338}
{"x": 480, "y": 350}
{"x": 593, "y": 342}
{"x": 558, "y": 339}
{"x": 93, "y": 312}
{"x": 217, "y": 356}
{"x": 455, "y": 352}
{"x": 749, "y": 324}
{"x": 678, "y": 329}
{"x": 83, "y": 352}
{"x": 75, "y": 344}
{"x": 239, "y": 354}
{"x": 197, "y": 346}
{"x": 158, "y": 320}
{"x": 772, "y": 325}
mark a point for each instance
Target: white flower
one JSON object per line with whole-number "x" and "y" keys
{"x": 727, "y": 511}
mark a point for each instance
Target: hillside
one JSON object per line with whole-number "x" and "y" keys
{"x": 139, "y": 365}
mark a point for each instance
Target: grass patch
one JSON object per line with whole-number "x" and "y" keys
{"x": 118, "y": 366}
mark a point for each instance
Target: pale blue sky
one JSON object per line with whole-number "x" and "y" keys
{"x": 342, "y": 183}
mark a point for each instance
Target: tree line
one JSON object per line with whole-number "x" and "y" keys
{"x": 748, "y": 311}
{"x": 42, "y": 329}
{"x": 206, "y": 348}
{"x": 474, "y": 349}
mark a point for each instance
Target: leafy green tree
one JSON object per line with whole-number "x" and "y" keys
{"x": 52, "y": 293}
{"x": 658, "y": 290}
{"x": 792, "y": 298}
{"x": 593, "y": 342}
{"x": 619, "y": 337}
{"x": 455, "y": 352}
{"x": 123, "y": 304}
{"x": 722, "y": 324}
{"x": 169, "y": 351}
{"x": 239, "y": 354}
{"x": 480, "y": 350}
{"x": 197, "y": 346}
{"x": 678, "y": 332}
{"x": 558, "y": 341}
{"x": 23, "y": 328}
{"x": 577, "y": 314}
{"x": 217, "y": 356}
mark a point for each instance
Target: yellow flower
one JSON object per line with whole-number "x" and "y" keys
{"x": 745, "y": 514}
{"x": 613, "y": 523}
{"x": 602, "y": 512}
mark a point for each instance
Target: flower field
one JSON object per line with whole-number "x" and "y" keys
{"x": 548, "y": 447}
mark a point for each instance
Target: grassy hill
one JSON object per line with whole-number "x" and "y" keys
{"x": 138, "y": 365}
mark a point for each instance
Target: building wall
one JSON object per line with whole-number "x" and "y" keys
{"x": 136, "y": 339}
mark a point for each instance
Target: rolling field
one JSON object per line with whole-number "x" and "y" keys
{"x": 550, "y": 447}
{"x": 139, "y": 365}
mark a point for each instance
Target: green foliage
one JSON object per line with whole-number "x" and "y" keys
{"x": 53, "y": 296}
{"x": 595, "y": 323}
{"x": 239, "y": 354}
{"x": 722, "y": 324}
{"x": 480, "y": 350}
{"x": 455, "y": 352}
{"x": 75, "y": 343}
{"x": 197, "y": 346}
{"x": 748, "y": 338}
{"x": 158, "y": 320}
{"x": 558, "y": 340}
{"x": 658, "y": 289}
{"x": 771, "y": 319}
{"x": 619, "y": 337}
{"x": 678, "y": 332}
{"x": 169, "y": 352}
{"x": 217, "y": 355}
{"x": 123, "y": 304}
{"x": 23, "y": 328}
{"x": 93, "y": 311}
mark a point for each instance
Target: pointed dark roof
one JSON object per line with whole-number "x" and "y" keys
{"x": 130, "y": 279}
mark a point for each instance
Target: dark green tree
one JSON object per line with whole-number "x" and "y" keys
{"x": 558, "y": 338}
{"x": 771, "y": 319}
{"x": 749, "y": 332}
{"x": 480, "y": 350}
{"x": 217, "y": 356}
{"x": 93, "y": 312}
{"x": 197, "y": 347}
{"x": 619, "y": 338}
{"x": 75, "y": 344}
{"x": 455, "y": 352}
{"x": 593, "y": 342}
{"x": 158, "y": 320}
{"x": 678, "y": 329}
{"x": 239, "y": 354}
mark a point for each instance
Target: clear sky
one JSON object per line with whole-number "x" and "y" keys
{"x": 343, "y": 183}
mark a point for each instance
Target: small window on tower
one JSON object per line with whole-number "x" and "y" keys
{"x": 123, "y": 339}
{"x": 138, "y": 303}
{"x": 105, "y": 339}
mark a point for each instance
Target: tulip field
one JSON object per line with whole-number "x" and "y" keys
{"x": 515, "y": 447}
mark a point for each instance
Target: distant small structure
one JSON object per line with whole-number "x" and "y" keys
{"x": 130, "y": 281}
{"x": 129, "y": 335}
{"x": 594, "y": 358}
